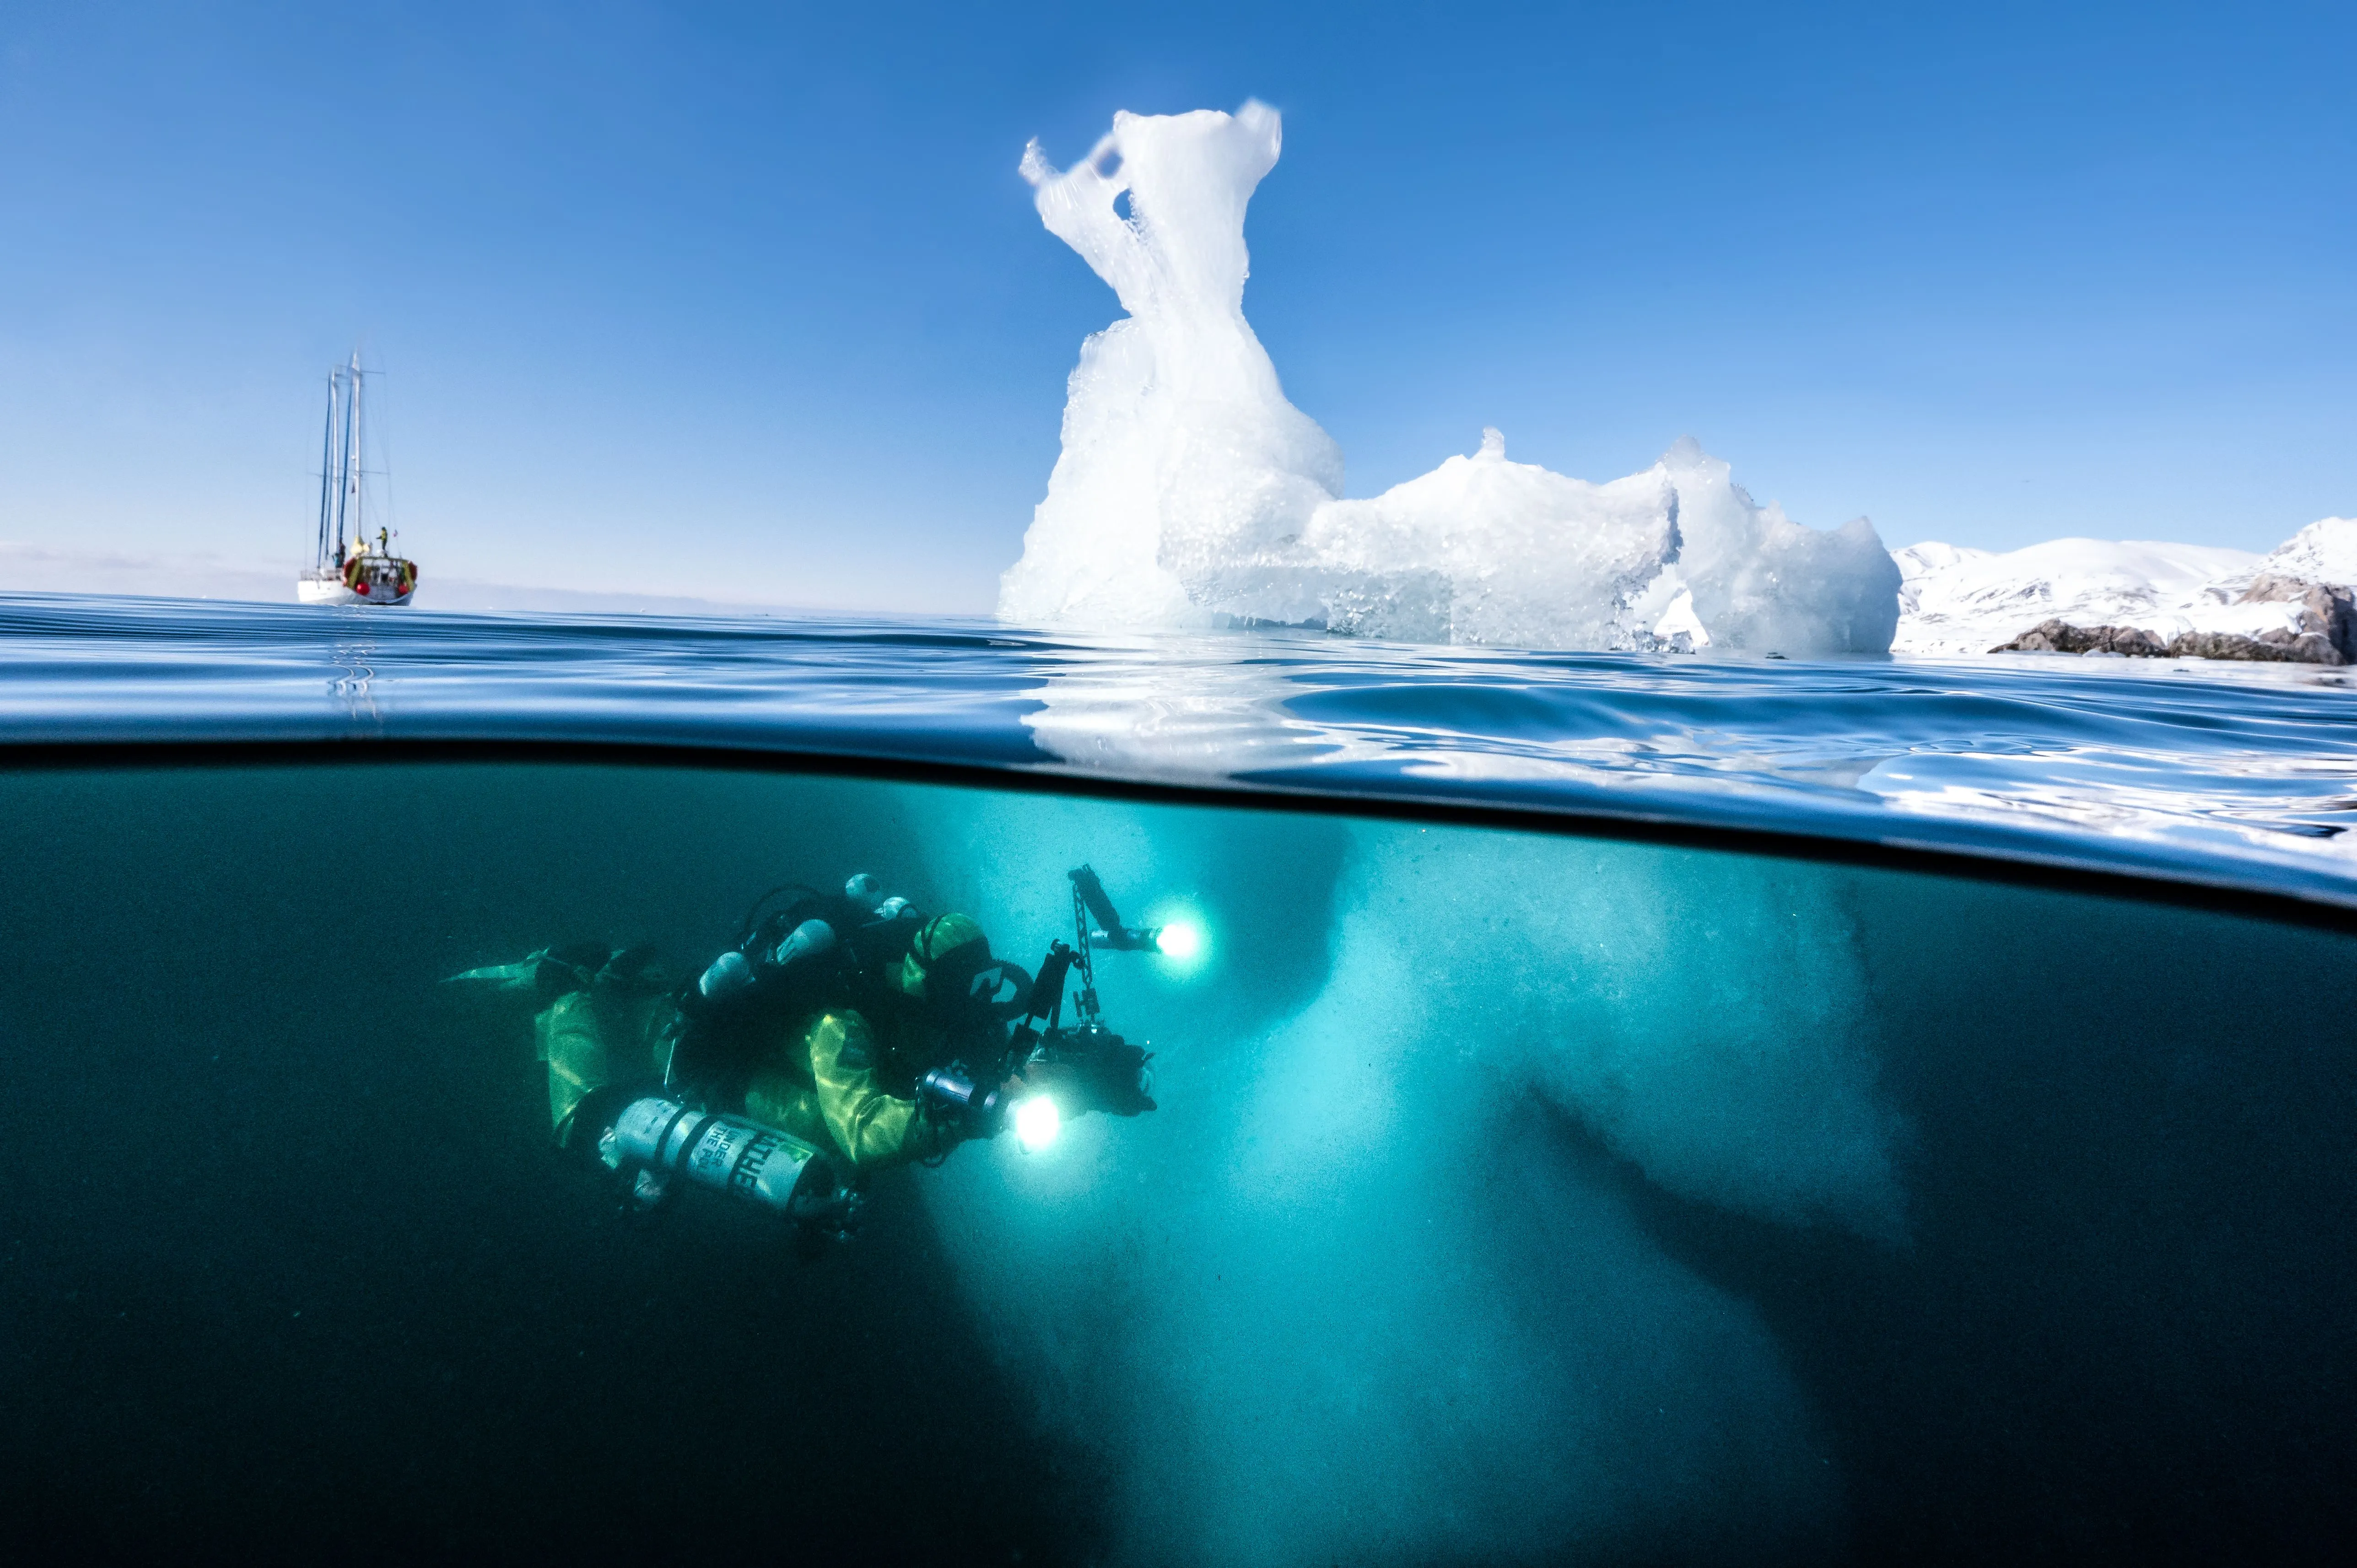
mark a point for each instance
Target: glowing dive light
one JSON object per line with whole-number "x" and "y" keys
{"x": 1181, "y": 940}
{"x": 1037, "y": 1123}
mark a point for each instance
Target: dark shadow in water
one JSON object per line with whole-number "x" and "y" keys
{"x": 2121, "y": 1330}
{"x": 290, "y": 1270}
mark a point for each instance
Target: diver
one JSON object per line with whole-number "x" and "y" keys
{"x": 841, "y": 1033}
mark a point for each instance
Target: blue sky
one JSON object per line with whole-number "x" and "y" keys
{"x": 750, "y": 301}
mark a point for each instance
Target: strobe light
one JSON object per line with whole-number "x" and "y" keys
{"x": 1037, "y": 1123}
{"x": 1181, "y": 940}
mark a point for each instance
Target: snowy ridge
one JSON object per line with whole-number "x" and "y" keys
{"x": 2324, "y": 551}
{"x": 1953, "y": 600}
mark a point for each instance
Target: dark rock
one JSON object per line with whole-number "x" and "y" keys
{"x": 2325, "y": 633}
{"x": 2268, "y": 647}
{"x": 2326, "y": 611}
{"x": 2062, "y": 637}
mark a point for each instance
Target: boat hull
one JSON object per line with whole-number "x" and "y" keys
{"x": 364, "y": 580}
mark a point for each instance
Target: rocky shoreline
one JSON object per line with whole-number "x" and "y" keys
{"x": 2325, "y": 631}
{"x": 2136, "y": 599}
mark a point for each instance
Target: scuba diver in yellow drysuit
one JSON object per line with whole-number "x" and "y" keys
{"x": 840, "y": 1077}
{"x": 832, "y": 1039}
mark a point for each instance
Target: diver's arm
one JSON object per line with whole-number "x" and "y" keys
{"x": 869, "y": 1125}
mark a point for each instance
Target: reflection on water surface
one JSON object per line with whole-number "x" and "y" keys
{"x": 2239, "y": 775}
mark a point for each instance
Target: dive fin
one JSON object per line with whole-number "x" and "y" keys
{"x": 521, "y": 975}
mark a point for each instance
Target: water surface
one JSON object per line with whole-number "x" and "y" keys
{"x": 2229, "y": 775}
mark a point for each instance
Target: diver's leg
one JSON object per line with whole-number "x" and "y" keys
{"x": 572, "y": 1040}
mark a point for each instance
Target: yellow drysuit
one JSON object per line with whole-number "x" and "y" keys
{"x": 815, "y": 1080}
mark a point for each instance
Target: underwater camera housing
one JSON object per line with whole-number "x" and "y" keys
{"x": 1085, "y": 1064}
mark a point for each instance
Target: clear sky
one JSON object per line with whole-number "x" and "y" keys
{"x": 750, "y": 301}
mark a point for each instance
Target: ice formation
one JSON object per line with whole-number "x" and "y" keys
{"x": 1190, "y": 492}
{"x": 1764, "y": 583}
{"x": 1180, "y": 454}
{"x": 1371, "y": 1104}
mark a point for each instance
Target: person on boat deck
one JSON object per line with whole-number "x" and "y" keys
{"x": 839, "y": 1075}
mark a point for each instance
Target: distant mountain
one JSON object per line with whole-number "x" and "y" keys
{"x": 1954, "y": 601}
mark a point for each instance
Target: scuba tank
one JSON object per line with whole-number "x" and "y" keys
{"x": 815, "y": 951}
{"x": 657, "y": 1141}
{"x": 733, "y": 971}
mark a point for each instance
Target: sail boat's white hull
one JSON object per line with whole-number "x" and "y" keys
{"x": 371, "y": 580}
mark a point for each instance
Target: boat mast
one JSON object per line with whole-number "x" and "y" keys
{"x": 343, "y": 438}
{"x": 347, "y": 512}
{"x": 328, "y": 483}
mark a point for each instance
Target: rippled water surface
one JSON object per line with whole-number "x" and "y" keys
{"x": 2234, "y": 775}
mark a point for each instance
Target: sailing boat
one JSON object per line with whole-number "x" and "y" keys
{"x": 346, "y": 570}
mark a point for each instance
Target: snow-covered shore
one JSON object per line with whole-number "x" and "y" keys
{"x": 1956, "y": 601}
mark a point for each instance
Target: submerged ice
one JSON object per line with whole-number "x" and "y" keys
{"x": 1190, "y": 492}
{"x": 1365, "y": 1288}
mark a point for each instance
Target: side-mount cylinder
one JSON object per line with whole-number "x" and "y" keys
{"x": 661, "y": 1140}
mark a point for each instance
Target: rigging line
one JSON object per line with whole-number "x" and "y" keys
{"x": 327, "y": 444}
{"x": 385, "y": 454}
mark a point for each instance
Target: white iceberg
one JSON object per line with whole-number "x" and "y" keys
{"x": 1190, "y": 493}
{"x": 1180, "y": 454}
{"x": 1764, "y": 583}
{"x": 1480, "y": 550}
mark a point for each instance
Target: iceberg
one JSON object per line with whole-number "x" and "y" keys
{"x": 1180, "y": 454}
{"x": 1764, "y": 583}
{"x": 1369, "y": 1098}
{"x": 1480, "y": 550}
{"x": 1190, "y": 493}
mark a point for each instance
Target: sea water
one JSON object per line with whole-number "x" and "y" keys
{"x": 1623, "y": 1108}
